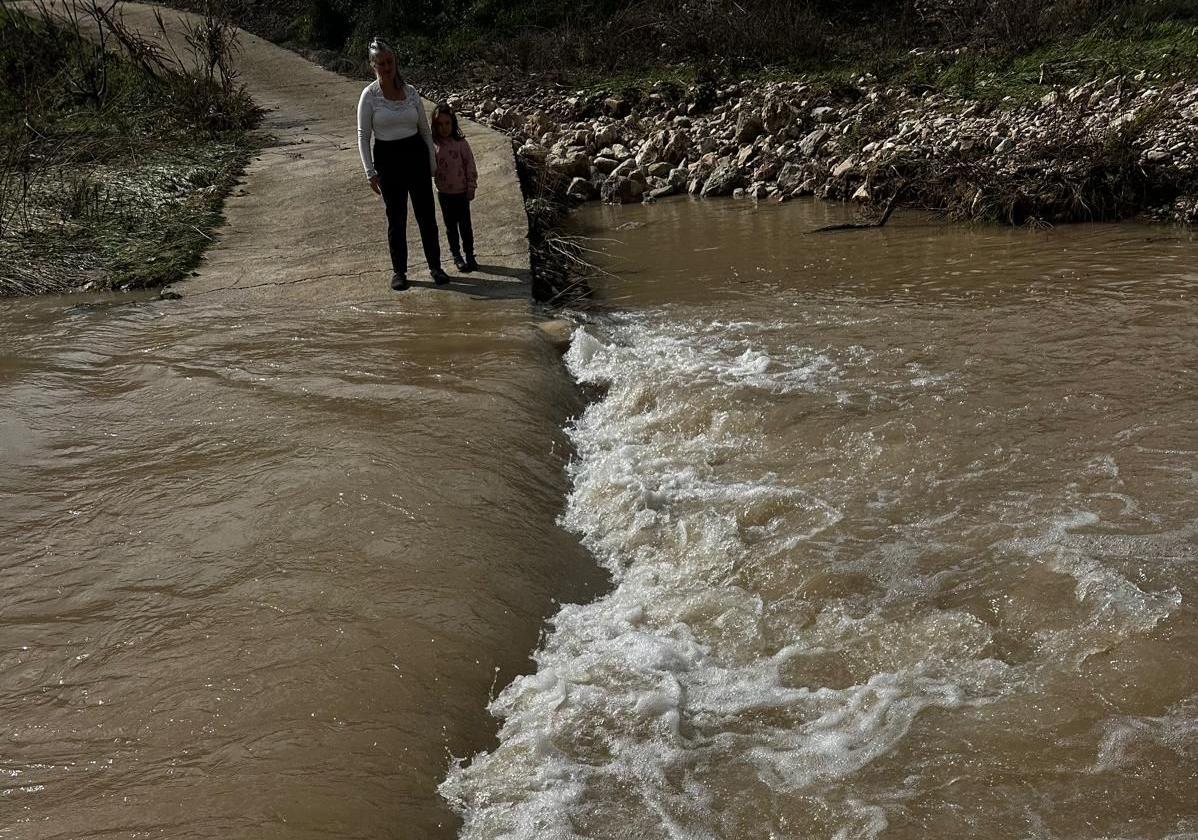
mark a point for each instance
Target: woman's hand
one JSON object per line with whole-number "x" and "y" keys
{"x": 374, "y": 185}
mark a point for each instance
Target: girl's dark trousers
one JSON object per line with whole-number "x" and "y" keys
{"x": 455, "y": 210}
{"x": 403, "y": 171}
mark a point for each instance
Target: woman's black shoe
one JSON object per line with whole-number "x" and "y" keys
{"x": 439, "y": 276}
{"x": 471, "y": 265}
{"x": 399, "y": 282}
{"x": 460, "y": 264}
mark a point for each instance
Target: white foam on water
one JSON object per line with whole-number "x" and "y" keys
{"x": 697, "y": 353}
{"x": 1117, "y": 608}
{"x": 649, "y": 703}
{"x": 1124, "y": 736}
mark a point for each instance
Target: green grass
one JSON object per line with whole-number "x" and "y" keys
{"x": 125, "y": 224}
{"x": 123, "y": 191}
{"x": 557, "y": 42}
{"x": 1168, "y": 48}
{"x": 594, "y": 82}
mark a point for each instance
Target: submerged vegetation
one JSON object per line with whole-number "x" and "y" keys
{"x": 118, "y": 153}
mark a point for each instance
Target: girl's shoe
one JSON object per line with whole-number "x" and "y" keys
{"x": 471, "y": 265}
{"x": 399, "y": 282}
{"x": 459, "y": 263}
{"x": 439, "y": 276}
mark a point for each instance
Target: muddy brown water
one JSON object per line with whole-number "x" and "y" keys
{"x": 261, "y": 570}
{"x": 901, "y": 527}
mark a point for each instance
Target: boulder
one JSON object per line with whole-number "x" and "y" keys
{"x": 823, "y": 114}
{"x": 662, "y": 169}
{"x": 506, "y": 118}
{"x": 777, "y": 115}
{"x": 617, "y": 107}
{"x": 749, "y": 127}
{"x": 607, "y": 135}
{"x": 605, "y": 165}
{"x": 619, "y": 190}
{"x": 533, "y": 153}
{"x": 845, "y": 166}
{"x": 810, "y": 144}
{"x": 649, "y": 153}
{"x": 767, "y": 169}
{"x": 625, "y": 169}
{"x": 790, "y": 178}
{"x": 571, "y": 164}
{"x": 723, "y": 180}
{"x": 538, "y": 124}
{"x": 676, "y": 147}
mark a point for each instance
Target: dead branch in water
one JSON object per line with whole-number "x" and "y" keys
{"x": 883, "y": 219}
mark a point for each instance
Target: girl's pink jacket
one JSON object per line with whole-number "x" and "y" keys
{"x": 456, "y": 172}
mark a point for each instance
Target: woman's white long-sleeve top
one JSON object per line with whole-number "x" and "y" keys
{"x": 391, "y": 119}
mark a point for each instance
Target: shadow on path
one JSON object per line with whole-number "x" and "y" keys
{"x": 504, "y": 271}
{"x": 477, "y": 287}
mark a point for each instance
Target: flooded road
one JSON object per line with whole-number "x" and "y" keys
{"x": 903, "y": 527}
{"x": 263, "y": 567}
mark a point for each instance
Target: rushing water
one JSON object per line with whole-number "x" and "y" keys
{"x": 902, "y": 528}
{"x": 262, "y": 569}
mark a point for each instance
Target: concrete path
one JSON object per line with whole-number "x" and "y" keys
{"x": 304, "y": 225}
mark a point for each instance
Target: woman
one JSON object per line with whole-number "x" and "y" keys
{"x": 403, "y": 162}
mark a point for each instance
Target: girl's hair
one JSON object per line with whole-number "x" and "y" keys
{"x": 456, "y": 131}
{"x": 380, "y": 47}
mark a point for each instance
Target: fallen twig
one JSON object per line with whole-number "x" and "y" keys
{"x": 883, "y": 219}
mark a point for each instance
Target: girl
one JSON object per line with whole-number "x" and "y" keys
{"x": 456, "y": 179}
{"x": 403, "y": 160}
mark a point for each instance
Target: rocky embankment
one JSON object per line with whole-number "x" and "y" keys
{"x": 1105, "y": 149}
